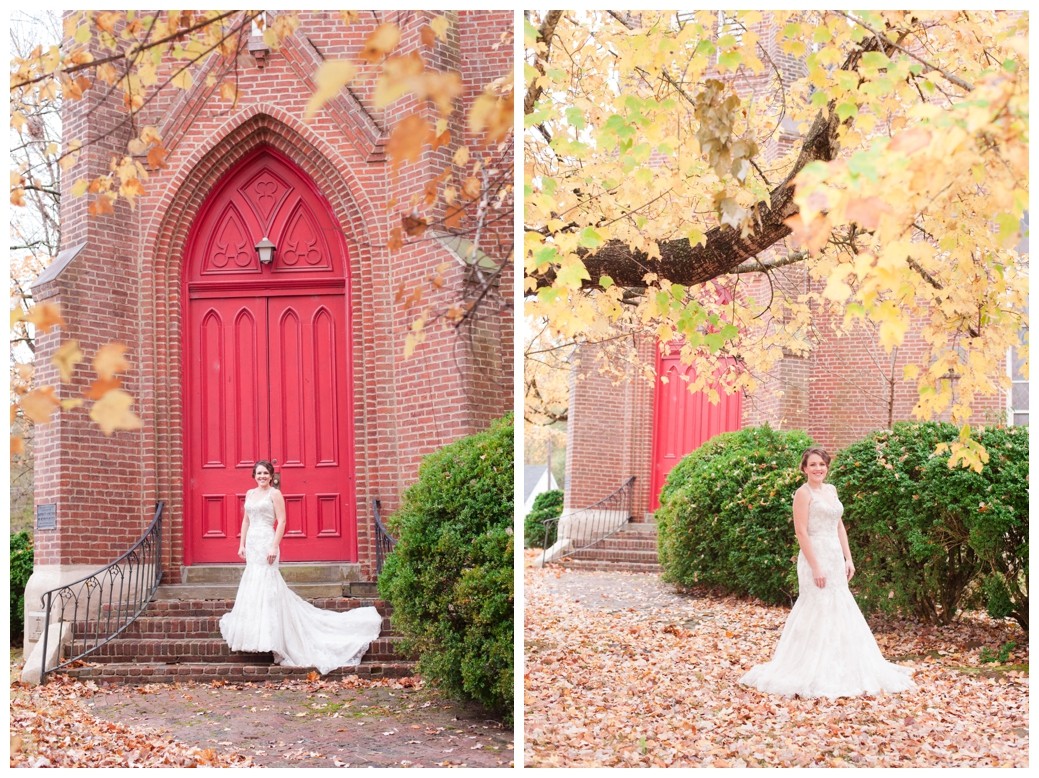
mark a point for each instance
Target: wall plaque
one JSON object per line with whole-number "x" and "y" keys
{"x": 47, "y": 516}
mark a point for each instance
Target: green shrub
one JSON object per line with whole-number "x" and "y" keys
{"x": 992, "y": 507}
{"x": 906, "y": 557}
{"x": 725, "y": 517}
{"x": 923, "y": 534}
{"x": 21, "y": 569}
{"x": 547, "y": 505}
{"x": 450, "y": 577}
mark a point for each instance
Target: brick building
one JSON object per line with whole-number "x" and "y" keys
{"x": 299, "y": 360}
{"x": 845, "y": 386}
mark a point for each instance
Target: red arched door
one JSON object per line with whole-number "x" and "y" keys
{"x": 684, "y": 420}
{"x": 267, "y": 355}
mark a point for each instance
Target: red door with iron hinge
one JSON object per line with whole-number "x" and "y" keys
{"x": 267, "y": 355}
{"x": 683, "y": 420}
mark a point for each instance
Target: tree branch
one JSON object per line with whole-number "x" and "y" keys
{"x": 724, "y": 248}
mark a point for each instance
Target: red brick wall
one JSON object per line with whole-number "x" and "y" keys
{"x": 126, "y": 285}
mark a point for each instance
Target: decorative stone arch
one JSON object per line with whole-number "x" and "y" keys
{"x": 166, "y": 234}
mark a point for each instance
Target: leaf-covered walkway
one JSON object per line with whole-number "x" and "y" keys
{"x": 347, "y": 722}
{"x": 622, "y": 671}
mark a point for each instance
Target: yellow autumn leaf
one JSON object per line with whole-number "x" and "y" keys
{"x": 17, "y": 445}
{"x": 44, "y": 316}
{"x": 380, "y": 43}
{"x": 399, "y": 76}
{"x": 39, "y": 404}
{"x": 183, "y": 80}
{"x": 837, "y": 288}
{"x": 893, "y": 324}
{"x": 439, "y": 25}
{"x": 110, "y": 360}
{"x": 112, "y": 412}
{"x": 408, "y": 139}
{"x": 443, "y": 89}
{"x": 66, "y": 358}
{"x": 492, "y": 115}
{"x": 330, "y": 78}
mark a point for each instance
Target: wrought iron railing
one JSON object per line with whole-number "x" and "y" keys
{"x": 100, "y": 606}
{"x": 384, "y": 541}
{"x": 590, "y": 525}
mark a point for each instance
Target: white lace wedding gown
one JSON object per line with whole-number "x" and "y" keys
{"x": 268, "y": 616}
{"x": 826, "y": 649}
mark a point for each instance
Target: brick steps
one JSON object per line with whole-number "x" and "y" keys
{"x": 632, "y": 549}
{"x": 206, "y": 608}
{"x": 177, "y": 639}
{"x": 592, "y": 565}
{"x": 625, "y": 557}
{"x": 228, "y": 672}
{"x": 190, "y": 626}
{"x": 175, "y": 651}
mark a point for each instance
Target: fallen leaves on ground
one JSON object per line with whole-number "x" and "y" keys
{"x": 621, "y": 670}
{"x": 302, "y": 722}
{"x": 51, "y": 726}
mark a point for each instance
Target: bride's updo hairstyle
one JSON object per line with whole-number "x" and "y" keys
{"x": 820, "y": 452}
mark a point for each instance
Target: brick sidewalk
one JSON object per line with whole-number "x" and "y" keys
{"x": 345, "y": 722}
{"x": 318, "y": 724}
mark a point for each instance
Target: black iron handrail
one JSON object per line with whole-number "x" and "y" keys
{"x": 384, "y": 541}
{"x": 597, "y": 523}
{"x": 105, "y": 603}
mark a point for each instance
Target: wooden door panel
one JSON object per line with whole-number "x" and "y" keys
{"x": 308, "y": 436}
{"x": 228, "y": 383}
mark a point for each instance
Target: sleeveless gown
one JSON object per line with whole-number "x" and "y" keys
{"x": 827, "y": 648}
{"x": 268, "y": 616}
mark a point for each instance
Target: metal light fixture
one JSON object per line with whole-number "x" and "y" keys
{"x": 266, "y": 250}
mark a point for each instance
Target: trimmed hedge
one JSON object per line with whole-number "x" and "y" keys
{"x": 924, "y": 536}
{"x": 547, "y": 505}
{"x": 21, "y": 569}
{"x": 725, "y": 516}
{"x": 450, "y": 576}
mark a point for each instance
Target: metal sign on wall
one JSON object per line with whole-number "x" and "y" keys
{"x": 47, "y": 516}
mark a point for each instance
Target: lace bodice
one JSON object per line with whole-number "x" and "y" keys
{"x": 260, "y": 508}
{"x": 824, "y": 511}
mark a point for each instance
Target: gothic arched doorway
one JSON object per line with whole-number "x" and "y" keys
{"x": 267, "y": 364}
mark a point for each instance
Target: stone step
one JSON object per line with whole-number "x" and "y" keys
{"x": 225, "y": 672}
{"x": 227, "y": 591}
{"x": 292, "y": 572}
{"x": 188, "y": 626}
{"x": 627, "y": 543}
{"x": 639, "y": 528}
{"x": 176, "y": 651}
{"x": 613, "y": 555}
{"x": 218, "y": 607}
{"x": 604, "y": 566}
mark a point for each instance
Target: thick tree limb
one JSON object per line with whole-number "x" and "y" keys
{"x": 725, "y": 248}
{"x": 545, "y": 33}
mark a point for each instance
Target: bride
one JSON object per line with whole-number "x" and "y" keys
{"x": 826, "y": 649}
{"x": 268, "y": 616}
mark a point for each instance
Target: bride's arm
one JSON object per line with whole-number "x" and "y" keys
{"x": 279, "y": 529}
{"x": 842, "y": 533}
{"x": 245, "y": 529}
{"x": 801, "y": 502}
